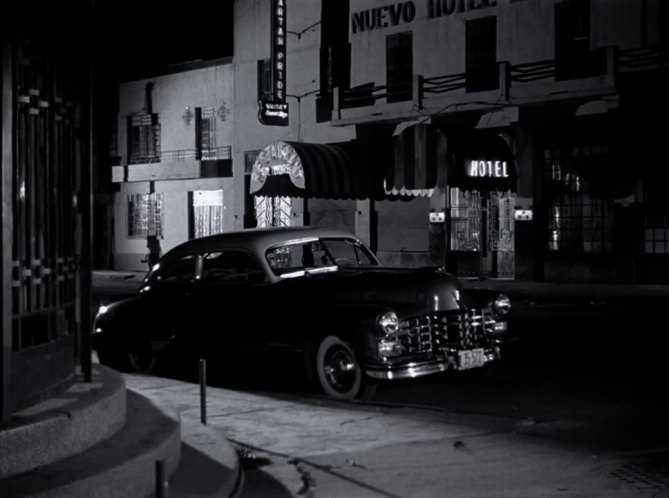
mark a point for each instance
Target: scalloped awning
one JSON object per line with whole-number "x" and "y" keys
{"x": 419, "y": 161}
{"x": 299, "y": 169}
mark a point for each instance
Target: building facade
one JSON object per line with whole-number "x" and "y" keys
{"x": 497, "y": 138}
{"x": 528, "y": 153}
{"x": 174, "y": 161}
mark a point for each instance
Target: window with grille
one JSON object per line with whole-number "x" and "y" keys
{"x": 399, "y": 67}
{"x": 481, "y": 54}
{"x": 207, "y": 212}
{"x": 580, "y": 206}
{"x": 144, "y": 139}
{"x": 265, "y": 80}
{"x": 207, "y": 133}
{"x": 145, "y": 215}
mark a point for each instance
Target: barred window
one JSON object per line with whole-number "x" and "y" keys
{"x": 207, "y": 133}
{"x": 580, "y": 206}
{"x": 207, "y": 209}
{"x": 144, "y": 139}
{"x": 145, "y": 215}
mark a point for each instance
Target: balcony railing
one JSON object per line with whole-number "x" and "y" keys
{"x": 168, "y": 156}
{"x": 605, "y": 61}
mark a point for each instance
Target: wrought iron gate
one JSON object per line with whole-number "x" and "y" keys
{"x": 46, "y": 186}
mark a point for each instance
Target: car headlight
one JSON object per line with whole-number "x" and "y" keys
{"x": 502, "y": 305}
{"x": 102, "y": 310}
{"x": 388, "y": 322}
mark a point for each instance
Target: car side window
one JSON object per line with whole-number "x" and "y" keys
{"x": 227, "y": 266}
{"x": 180, "y": 270}
{"x": 348, "y": 253}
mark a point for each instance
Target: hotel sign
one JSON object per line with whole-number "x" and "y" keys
{"x": 405, "y": 12}
{"x": 275, "y": 112}
{"x": 487, "y": 169}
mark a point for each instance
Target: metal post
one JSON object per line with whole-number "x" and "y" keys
{"x": 6, "y": 203}
{"x": 161, "y": 482}
{"x": 203, "y": 391}
{"x": 86, "y": 207}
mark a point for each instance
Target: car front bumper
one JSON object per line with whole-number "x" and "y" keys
{"x": 412, "y": 369}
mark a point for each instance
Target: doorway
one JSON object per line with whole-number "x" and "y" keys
{"x": 482, "y": 233}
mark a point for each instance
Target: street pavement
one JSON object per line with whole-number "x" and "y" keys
{"x": 296, "y": 446}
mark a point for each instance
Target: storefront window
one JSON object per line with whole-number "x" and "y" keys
{"x": 656, "y": 210}
{"x": 580, "y": 208}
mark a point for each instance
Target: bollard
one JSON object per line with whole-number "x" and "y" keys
{"x": 161, "y": 483}
{"x": 203, "y": 391}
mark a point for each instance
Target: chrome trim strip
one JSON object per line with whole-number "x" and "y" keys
{"x": 409, "y": 370}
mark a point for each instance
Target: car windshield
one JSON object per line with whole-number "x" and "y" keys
{"x": 295, "y": 259}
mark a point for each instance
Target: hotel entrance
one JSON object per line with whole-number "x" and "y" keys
{"x": 482, "y": 232}
{"x": 480, "y": 205}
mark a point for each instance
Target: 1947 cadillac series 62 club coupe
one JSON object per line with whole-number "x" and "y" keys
{"x": 316, "y": 295}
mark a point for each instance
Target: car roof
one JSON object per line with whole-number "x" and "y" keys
{"x": 253, "y": 239}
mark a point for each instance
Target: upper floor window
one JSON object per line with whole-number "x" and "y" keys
{"x": 481, "y": 54}
{"x": 399, "y": 66}
{"x": 573, "y": 57}
{"x": 144, "y": 139}
{"x": 205, "y": 126}
{"x": 265, "y": 80}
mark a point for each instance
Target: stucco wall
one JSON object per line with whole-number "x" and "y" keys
{"x": 172, "y": 93}
{"x": 525, "y": 33}
{"x": 130, "y": 251}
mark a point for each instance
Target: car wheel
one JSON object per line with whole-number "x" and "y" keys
{"x": 142, "y": 360}
{"x": 338, "y": 373}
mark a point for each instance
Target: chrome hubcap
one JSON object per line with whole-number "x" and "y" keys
{"x": 339, "y": 369}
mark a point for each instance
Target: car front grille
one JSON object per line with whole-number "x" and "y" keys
{"x": 439, "y": 331}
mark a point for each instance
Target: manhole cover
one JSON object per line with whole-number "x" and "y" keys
{"x": 645, "y": 475}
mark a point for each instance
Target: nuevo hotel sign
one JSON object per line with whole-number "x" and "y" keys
{"x": 405, "y": 12}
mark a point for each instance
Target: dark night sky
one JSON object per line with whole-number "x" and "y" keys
{"x": 136, "y": 37}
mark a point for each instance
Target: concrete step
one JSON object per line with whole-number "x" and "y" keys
{"x": 121, "y": 466}
{"x": 209, "y": 465}
{"x": 64, "y": 425}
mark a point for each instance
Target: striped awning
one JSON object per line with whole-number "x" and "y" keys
{"x": 424, "y": 158}
{"x": 419, "y": 161}
{"x": 299, "y": 169}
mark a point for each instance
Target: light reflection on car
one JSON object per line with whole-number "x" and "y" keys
{"x": 312, "y": 296}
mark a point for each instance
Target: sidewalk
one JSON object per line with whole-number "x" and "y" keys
{"x": 297, "y": 447}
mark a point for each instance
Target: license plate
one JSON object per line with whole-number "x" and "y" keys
{"x": 471, "y": 358}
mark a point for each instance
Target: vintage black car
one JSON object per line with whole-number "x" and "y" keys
{"x": 316, "y": 295}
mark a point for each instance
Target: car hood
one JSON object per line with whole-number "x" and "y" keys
{"x": 406, "y": 290}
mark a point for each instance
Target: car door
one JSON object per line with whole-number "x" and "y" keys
{"x": 164, "y": 294}
{"x": 225, "y": 298}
